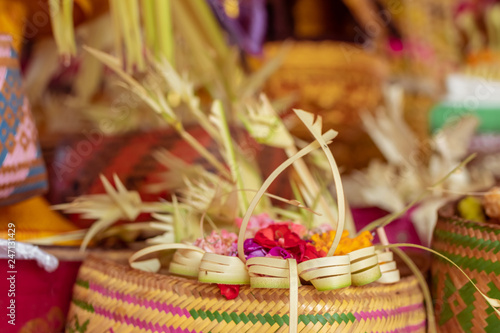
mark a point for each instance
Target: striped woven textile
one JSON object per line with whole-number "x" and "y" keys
{"x": 475, "y": 247}
{"x": 22, "y": 171}
{"x": 109, "y": 297}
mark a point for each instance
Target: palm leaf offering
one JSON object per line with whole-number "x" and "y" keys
{"x": 215, "y": 221}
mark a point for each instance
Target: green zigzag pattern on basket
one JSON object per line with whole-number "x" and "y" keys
{"x": 263, "y": 319}
{"x": 465, "y": 316}
{"x": 477, "y": 264}
{"x": 86, "y": 306}
{"x": 493, "y": 320}
{"x": 474, "y": 226}
{"x": 272, "y": 319}
{"x": 82, "y": 283}
{"x": 470, "y": 242}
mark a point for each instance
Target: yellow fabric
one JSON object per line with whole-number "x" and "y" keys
{"x": 33, "y": 218}
{"x": 12, "y": 16}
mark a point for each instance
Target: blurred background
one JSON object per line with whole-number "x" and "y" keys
{"x": 412, "y": 87}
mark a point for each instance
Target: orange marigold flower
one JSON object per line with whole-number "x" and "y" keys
{"x": 324, "y": 241}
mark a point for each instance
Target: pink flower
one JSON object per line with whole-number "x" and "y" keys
{"x": 324, "y": 228}
{"x": 255, "y": 223}
{"x": 299, "y": 229}
{"x": 223, "y": 243}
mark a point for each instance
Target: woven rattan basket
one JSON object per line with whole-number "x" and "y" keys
{"x": 111, "y": 297}
{"x": 476, "y": 248}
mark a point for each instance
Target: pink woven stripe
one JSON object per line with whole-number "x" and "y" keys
{"x": 416, "y": 328}
{"x": 366, "y": 315}
{"x": 167, "y": 308}
{"x": 409, "y": 329}
{"x": 141, "y": 324}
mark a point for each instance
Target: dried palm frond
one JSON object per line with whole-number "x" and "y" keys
{"x": 214, "y": 197}
{"x": 393, "y": 185}
{"x": 151, "y": 93}
{"x": 265, "y": 126}
{"x": 116, "y": 204}
{"x": 178, "y": 170}
{"x": 387, "y": 125}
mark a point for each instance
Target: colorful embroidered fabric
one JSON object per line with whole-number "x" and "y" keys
{"x": 22, "y": 171}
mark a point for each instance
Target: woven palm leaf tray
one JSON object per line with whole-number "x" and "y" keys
{"x": 111, "y": 297}
{"x": 475, "y": 247}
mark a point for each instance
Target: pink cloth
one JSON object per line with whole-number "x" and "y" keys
{"x": 399, "y": 231}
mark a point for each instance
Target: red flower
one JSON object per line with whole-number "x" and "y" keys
{"x": 229, "y": 291}
{"x": 277, "y": 235}
{"x": 310, "y": 252}
{"x": 280, "y": 235}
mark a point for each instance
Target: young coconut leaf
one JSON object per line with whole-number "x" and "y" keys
{"x": 126, "y": 21}
{"x": 166, "y": 224}
{"x": 61, "y": 14}
{"x": 189, "y": 259}
{"x": 315, "y": 127}
{"x": 266, "y": 127}
{"x": 164, "y": 31}
{"x": 218, "y": 118}
{"x": 327, "y": 137}
{"x": 150, "y": 265}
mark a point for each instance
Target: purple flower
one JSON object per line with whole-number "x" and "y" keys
{"x": 248, "y": 30}
{"x": 253, "y": 249}
{"x": 279, "y": 252}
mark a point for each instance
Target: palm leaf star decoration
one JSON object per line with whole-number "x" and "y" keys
{"x": 116, "y": 204}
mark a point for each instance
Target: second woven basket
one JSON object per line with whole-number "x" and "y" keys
{"x": 475, "y": 247}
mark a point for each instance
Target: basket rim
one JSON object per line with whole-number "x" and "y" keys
{"x": 447, "y": 213}
{"x": 109, "y": 266}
